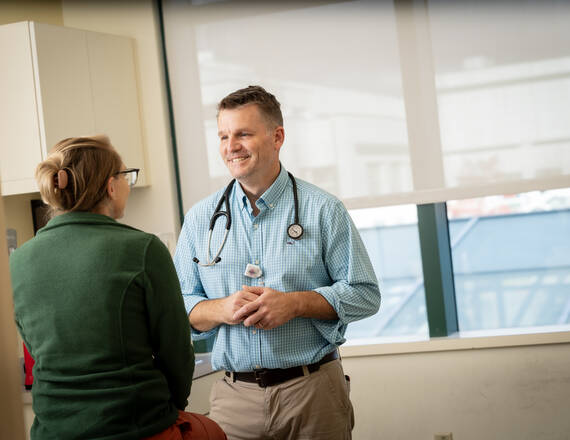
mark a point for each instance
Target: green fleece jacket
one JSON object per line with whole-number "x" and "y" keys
{"x": 99, "y": 307}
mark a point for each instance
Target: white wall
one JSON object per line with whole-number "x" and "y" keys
{"x": 153, "y": 209}
{"x": 518, "y": 393}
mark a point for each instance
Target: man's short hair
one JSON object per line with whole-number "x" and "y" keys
{"x": 266, "y": 103}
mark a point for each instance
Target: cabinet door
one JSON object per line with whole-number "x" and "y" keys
{"x": 115, "y": 96}
{"x": 20, "y": 150}
{"x": 63, "y": 80}
{"x": 58, "y": 82}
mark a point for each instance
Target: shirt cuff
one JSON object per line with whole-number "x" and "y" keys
{"x": 329, "y": 293}
{"x": 332, "y": 330}
{"x": 190, "y": 301}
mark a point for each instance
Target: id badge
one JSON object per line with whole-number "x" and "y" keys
{"x": 253, "y": 271}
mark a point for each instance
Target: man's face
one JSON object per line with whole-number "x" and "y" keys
{"x": 249, "y": 146}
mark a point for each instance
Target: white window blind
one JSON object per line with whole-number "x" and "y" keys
{"x": 383, "y": 104}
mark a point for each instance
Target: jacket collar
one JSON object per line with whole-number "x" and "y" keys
{"x": 74, "y": 218}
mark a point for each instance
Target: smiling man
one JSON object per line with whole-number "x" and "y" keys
{"x": 277, "y": 282}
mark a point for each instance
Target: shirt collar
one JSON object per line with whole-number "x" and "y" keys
{"x": 271, "y": 196}
{"x": 240, "y": 195}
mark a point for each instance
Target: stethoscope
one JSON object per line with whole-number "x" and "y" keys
{"x": 294, "y": 230}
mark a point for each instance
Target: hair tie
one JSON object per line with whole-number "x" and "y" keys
{"x": 61, "y": 179}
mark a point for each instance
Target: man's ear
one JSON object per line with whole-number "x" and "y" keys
{"x": 278, "y": 137}
{"x": 112, "y": 188}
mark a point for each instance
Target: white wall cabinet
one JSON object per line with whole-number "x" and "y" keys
{"x": 58, "y": 82}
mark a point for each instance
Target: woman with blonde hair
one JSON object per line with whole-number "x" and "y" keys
{"x": 99, "y": 307}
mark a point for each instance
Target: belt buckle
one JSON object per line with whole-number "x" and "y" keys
{"x": 259, "y": 377}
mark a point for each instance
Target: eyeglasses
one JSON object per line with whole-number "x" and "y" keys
{"x": 132, "y": 174}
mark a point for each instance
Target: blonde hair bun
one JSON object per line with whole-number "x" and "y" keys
{"x": 73, "y": 177}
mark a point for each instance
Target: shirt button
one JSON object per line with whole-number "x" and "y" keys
{"x": 257, "y": 262}
{"x": 271, "y": 205}
{"x": 254, "y": 332}
{"x": 255, "y": 226}
{"x": 257, "y": 367}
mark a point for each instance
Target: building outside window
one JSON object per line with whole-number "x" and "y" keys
{"x": 511, "y": 260}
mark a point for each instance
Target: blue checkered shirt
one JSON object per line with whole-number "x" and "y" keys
{"x": 330, "y": 259}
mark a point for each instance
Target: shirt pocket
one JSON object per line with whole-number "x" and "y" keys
{"x": 299, "y": 265}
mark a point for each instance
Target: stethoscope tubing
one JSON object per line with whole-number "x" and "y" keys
{"x": 227, "y": 213}
{"x": 295, "y": 198}
{"x": 212, "y": 262}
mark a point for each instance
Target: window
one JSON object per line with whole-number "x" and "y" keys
{"x": 511, "y": 260}
{"x": 480, "y": 108}
{"x": 390, "y": 235}
{"x": 343, "y": 109}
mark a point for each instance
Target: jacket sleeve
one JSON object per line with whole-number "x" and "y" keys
{"x": 169, "y": 326}
{"x": 354, "y": 293}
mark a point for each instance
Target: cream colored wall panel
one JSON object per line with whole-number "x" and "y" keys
{"x": 485, "y": 393}
{"x": 66, "y": 102}
{"x": 115, "y": 95}
{"x": 20, "y": 148}
{"x": 11, "y": 414}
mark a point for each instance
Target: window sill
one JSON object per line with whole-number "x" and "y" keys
{"x": 460, "y": 341}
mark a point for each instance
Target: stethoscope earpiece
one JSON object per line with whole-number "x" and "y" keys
{"x": 216, "y": 260}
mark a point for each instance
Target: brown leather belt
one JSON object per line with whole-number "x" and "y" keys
{"x": 266, "y": 377}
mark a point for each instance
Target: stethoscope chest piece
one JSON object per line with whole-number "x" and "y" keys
{"x": 295, "y": 231}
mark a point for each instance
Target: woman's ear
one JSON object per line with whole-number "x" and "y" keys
{"x": 112, "y": 188}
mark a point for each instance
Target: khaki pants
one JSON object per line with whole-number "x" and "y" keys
{"x": 312, "y": 407}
